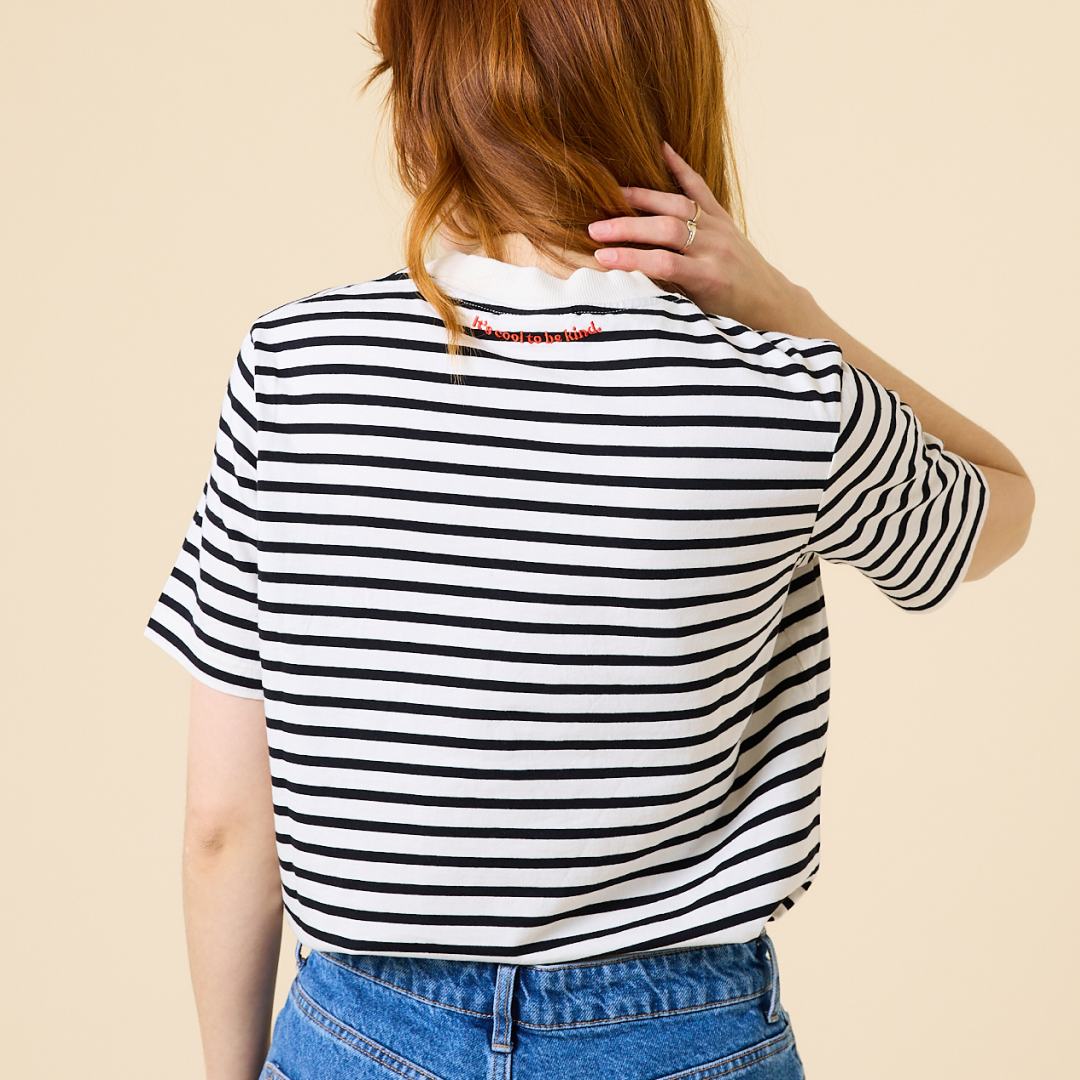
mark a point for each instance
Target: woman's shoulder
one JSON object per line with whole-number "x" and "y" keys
{"x": 393, "y": 286}
{"x": 773, "y": 355}
{"x": 764, "y": 342}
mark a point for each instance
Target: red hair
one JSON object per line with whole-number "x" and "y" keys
{"x": 527, "y": 116}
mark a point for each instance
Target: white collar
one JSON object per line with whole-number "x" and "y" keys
{"x": 529, "y": 286}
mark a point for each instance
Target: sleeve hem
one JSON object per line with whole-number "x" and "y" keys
{"x": 245, "y": 684}
{"x": 962, "y": 568}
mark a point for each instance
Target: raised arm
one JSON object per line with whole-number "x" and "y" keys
{"x": 232, "y": 888}
{"x": 726, "y": 275}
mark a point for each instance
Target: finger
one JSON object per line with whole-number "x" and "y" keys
{"x": 654, "y": 262}
{"x": 690, "y": 181}
{"x": 661, "y": 202}
{"x": 661, "y": 231}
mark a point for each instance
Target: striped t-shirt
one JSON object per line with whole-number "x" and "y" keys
{"x": 542, "y": 648}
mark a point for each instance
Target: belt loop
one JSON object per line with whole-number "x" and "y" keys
{"x": 502, "y": 1030}
{"x": 300, "y": 959}
{"x": 774, "y": 979}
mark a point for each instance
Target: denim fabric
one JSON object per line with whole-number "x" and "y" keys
{"x": 691, "y": 1014}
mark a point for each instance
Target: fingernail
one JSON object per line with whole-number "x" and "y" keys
{"x": 605, "y": 255}
{"x": 599, "y": 228}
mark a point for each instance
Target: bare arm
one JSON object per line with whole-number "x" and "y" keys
{"x": 724, "y": 274}
{"x": 232, "y": 889}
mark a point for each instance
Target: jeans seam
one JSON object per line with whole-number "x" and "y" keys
{"x": 646, "y": 1015}
{"x": 554, "y": 1027}
{"x": 730, "y": 1064}
{"x": 549, "y": 1027}
{"x": 302, "y": 1003}
{"x": 402, "y": 990}
{"x": 618, "y": 959}
{"x": 788, "y": 1041}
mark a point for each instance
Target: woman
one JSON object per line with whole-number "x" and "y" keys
{"x": 512, "y": 556}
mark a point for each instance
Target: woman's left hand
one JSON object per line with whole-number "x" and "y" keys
{"x": 721, "y": 271}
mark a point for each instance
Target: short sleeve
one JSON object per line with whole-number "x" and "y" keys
{"x": 897, "y": 505}
{"x": 207, "y": 615}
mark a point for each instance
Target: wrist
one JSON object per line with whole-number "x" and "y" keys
{"x": 800, "y": 315}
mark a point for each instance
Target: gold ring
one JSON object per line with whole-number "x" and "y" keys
{"x": 691, "y": 225}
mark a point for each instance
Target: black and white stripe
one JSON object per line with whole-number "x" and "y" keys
{"x": 543, "y": 651}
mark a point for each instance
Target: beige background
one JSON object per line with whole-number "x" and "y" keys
{"x": 171, "y": 171}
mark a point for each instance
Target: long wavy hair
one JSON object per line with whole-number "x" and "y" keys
{"x": 527, "y": 116}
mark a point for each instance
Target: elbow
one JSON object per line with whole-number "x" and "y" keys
{"x": 218, "y": 851}
{"x": 214, "y": 835}
{"x": 207, "y": 837}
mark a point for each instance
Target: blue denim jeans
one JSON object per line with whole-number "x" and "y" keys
{"x": 690, "y": 1014}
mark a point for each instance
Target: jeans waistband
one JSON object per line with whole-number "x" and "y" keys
{"x": 587, "y": 992}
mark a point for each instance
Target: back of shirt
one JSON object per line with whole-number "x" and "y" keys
{"x": 543, "y": 649}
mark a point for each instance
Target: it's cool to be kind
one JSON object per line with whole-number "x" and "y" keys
{"x": 573, "y": 334}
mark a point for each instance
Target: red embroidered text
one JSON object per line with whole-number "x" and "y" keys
{"x": 573, "y": 334}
